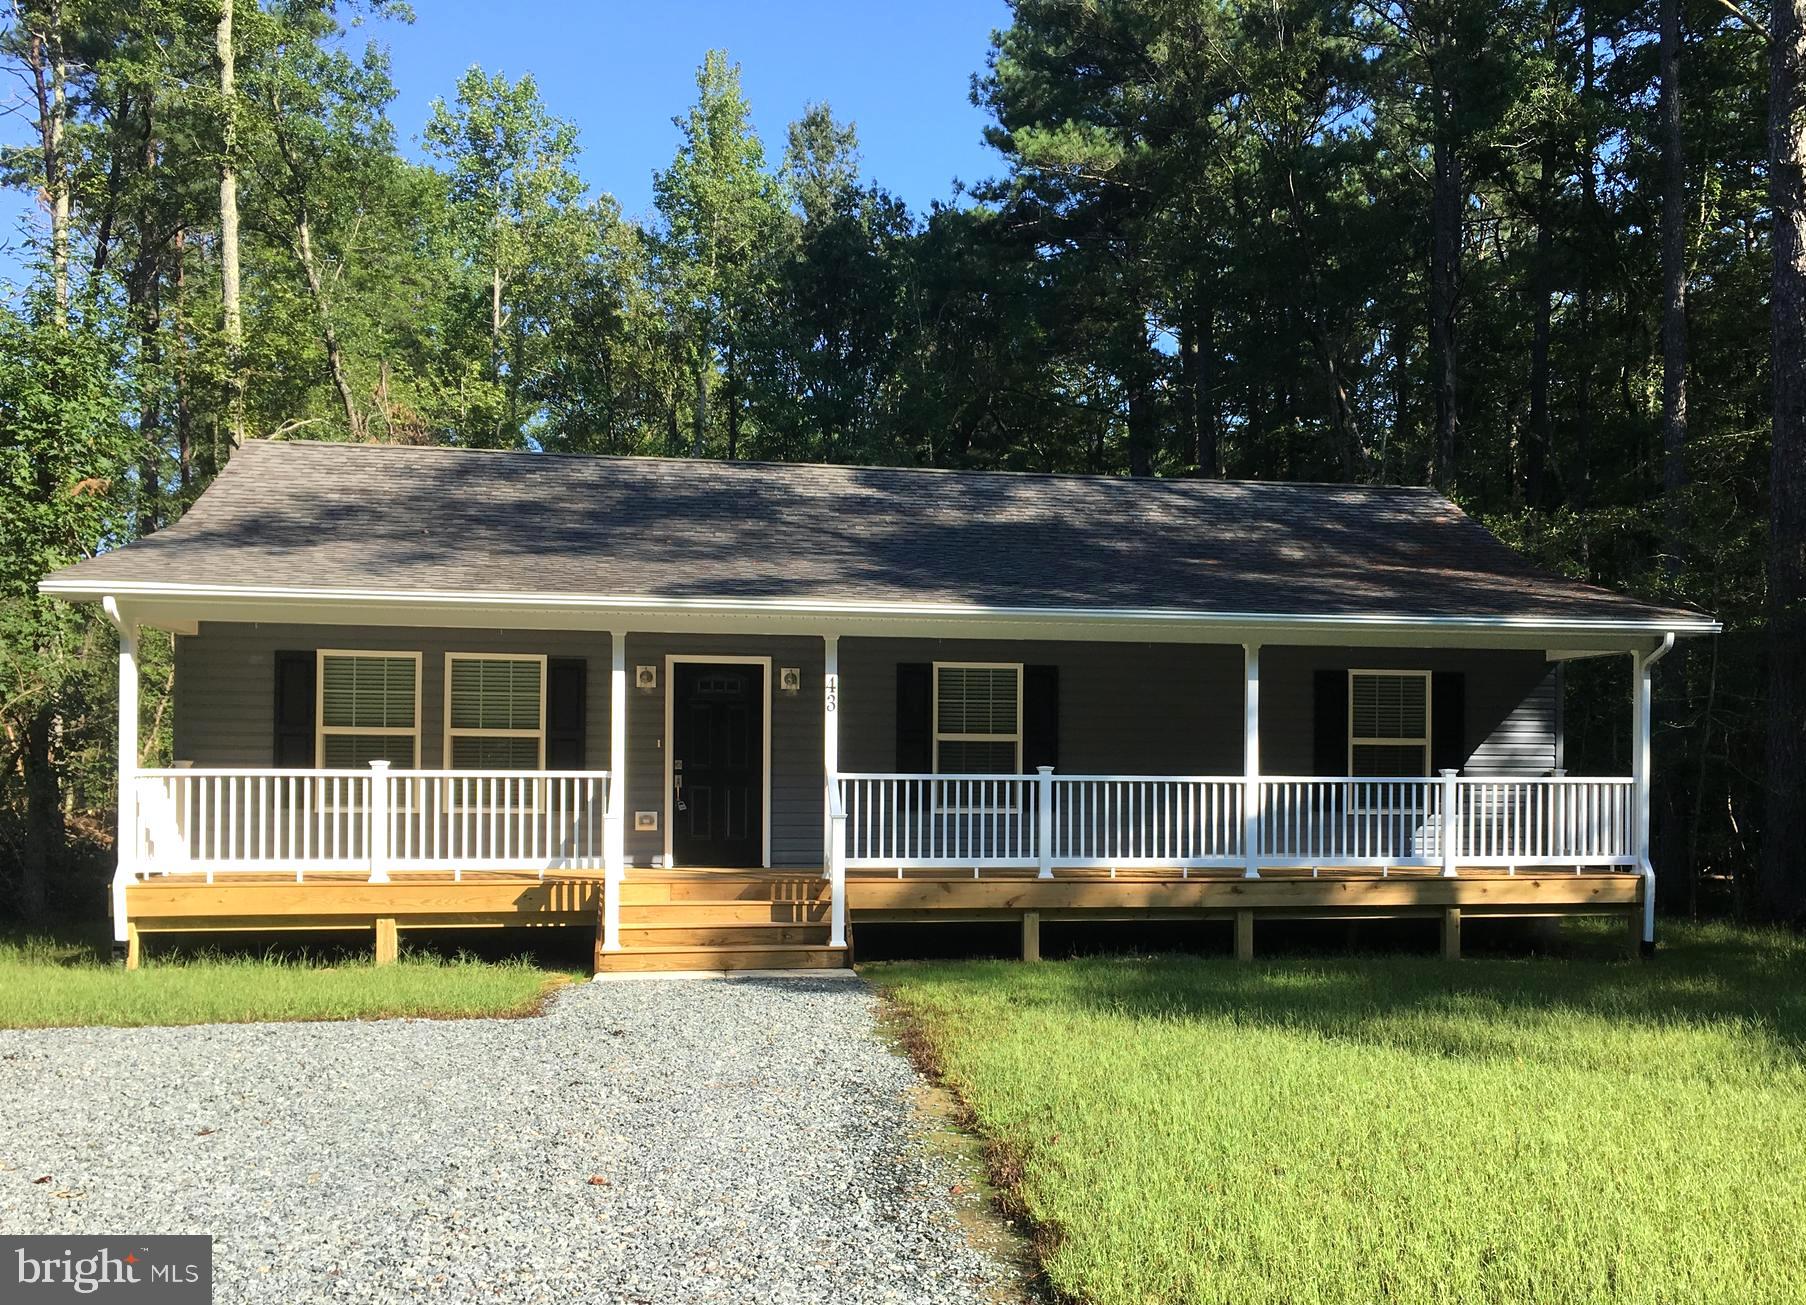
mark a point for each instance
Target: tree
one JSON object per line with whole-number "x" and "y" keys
{"x": 518, "y": 213}
{"x": 721, "y": 213}
{"x": 1783, "y": 878}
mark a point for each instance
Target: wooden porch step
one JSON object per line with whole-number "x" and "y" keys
{"x": 636, "y": 891}
{"x": 761, "y": 933}
{"x": 735, "y": 910}
{"x": 632, "y": 960}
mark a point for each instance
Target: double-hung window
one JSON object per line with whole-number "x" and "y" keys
{"x": 977, "y": 718}
{"x": 495, "y": 711}
{"x": 1388, "y": 723}
{"x": 368, "y": 709}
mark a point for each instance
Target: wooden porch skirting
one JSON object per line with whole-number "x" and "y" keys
{"x": 709, "y": 924}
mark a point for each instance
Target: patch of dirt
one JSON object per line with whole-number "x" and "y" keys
{"x": 985, "y": 1210}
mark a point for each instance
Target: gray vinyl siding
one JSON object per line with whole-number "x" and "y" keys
{"x": 225, "y": 688}
{"x": 1510, "y": 697}
{"x": 1176, "y": 709}
{"x": 1124, "y": 708}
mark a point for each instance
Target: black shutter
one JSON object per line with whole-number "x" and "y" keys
{"x": 1448, "y": 721}
{"x": 1329, "y": 723}
{"x": 567, "y": 681}
{"x": 1040, "y": 717}
{"x": 295, "y": 696}
{"x": 915, "y": 724}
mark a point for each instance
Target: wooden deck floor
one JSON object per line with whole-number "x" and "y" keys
{"x": 723, "y": 918}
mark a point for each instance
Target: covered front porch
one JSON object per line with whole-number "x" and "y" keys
{"x": 394, "y": 849}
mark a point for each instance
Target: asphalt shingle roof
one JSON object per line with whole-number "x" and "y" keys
{"x": 313, "y": 515}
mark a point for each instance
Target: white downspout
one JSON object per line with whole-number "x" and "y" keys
{"x": 1641, "y": 712}
{"x": 834, "y": 865}
{"x": 126, "y": 840}
{"x": 614, "y": 820}
{"x": 1251, "y": 760}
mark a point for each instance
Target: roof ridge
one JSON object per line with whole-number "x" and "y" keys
{"x": 724, "y": 464}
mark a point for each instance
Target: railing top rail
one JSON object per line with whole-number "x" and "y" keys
{"x": 498, "y": 774}
{"x": 1616, "y": 780}
{"x": 876, "y": 774}
{"x": 365, "y": 772}
{"x": 252, "y": 772}
{"x": 1148, "y": 779}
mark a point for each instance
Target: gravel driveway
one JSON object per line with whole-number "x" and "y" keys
{"x": 651, "y": 1141}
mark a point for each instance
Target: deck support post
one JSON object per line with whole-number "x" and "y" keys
{"x": 1251, "y": 760}
{"x": 126, "y": 839}
{"x": 1031, "y": 935}
{"x": 1451, "y": 933}
{"x": 388, "y": 940}
{"x": 1451, "y": 823}
{"x": 1244, "y": 935}
{"x": 379, "y": 824}
{"x": 834, "y": 860}
{"x": 1044, "y": 822}
{"x": 134, "y": 947}
{"x": 1643, "y": 688}
{"x": 614, "y": 822}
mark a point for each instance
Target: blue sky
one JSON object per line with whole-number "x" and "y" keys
{"x": 621, "y": 69}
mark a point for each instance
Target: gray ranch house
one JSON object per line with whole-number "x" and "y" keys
{"x": 723, "y": 712}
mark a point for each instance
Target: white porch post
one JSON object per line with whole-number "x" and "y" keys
{"x": 1251, "y": 759}
{"x": 834, "y": 862}
{"x": 1044, "y": 821}
{"x": 379, "y": 822}
{"x": 126, "y": 840}
{"x": 1642, "y": 697}
{"x": 1451, "y": 823}
{"x": 614, "y": 823}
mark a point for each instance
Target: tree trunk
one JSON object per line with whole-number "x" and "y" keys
{"x": 1445, "y": 273}
{"x": 231, "y": 321}
{"x": 147, "y": 307}
{"x": 1539, "y": 440}
{"x": 1783, "y": 870}
{"x": 1580, "y": 475}
{"x": 43, "y": 845}
{"x": 1674, "y": 288}
{"x": 1197, "y": 349}
{"x": 355, "y": 424}
{"x": 699, "y": 416}
{"x": 1138, "y": 393}
{"x": 184, "y": 422}
{"x": 44, "y": 57}
{"x": 335, "y": 356}
{"x": 733, "y": 404}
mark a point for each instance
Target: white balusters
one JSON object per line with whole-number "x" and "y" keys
{"x": 373, "y": 820}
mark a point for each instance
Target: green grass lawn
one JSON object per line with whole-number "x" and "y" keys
{"x": 46, "y": 982}
{"x": 1394, "y": 1129}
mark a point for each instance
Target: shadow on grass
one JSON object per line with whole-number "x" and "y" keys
{"x": 81, "y": 944}
{"x": 1750, "y": 984}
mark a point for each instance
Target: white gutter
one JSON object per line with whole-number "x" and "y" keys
{"x": 1373, "y": 622}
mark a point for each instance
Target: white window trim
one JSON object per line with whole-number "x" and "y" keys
{"x": 454, "y": 733}
{"x": 322, "y": 729}
{"x": 1428, "y": 727}
{"x": 934, "y": 708}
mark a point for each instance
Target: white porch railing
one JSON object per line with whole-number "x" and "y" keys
{"x": 1051, "y": 822}
{"x": 222, "y": 821}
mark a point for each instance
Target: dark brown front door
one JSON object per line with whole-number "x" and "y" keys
{"x": 718, "y": 763}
